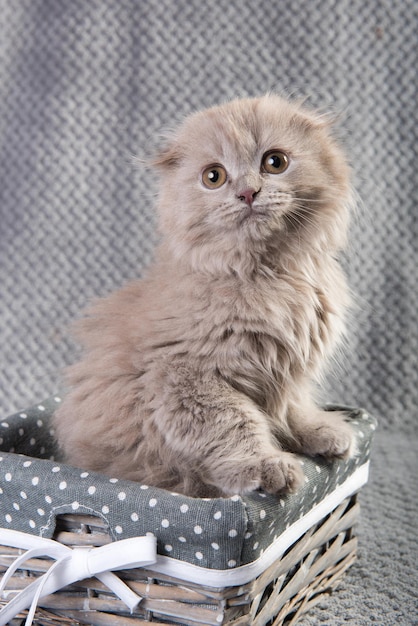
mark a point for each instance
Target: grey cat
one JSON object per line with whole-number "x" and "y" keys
{"x": 199, "y": 378}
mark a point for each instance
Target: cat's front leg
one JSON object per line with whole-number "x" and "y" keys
{"x": 222, "y": 432}
{"x": 273, "y": 471}
{"x": 319, "y": 432}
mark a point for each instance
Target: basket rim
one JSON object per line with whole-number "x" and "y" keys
{"x": 245, "y": 573}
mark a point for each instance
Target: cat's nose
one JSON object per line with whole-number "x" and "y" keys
{"x": 248, "y": 195}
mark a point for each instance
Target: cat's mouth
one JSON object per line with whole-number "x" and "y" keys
{"x": 253, "y": 213}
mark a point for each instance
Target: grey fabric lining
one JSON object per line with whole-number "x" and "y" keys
{"x": 218, "y": 533}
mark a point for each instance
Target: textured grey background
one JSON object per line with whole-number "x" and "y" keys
{"x": 84, "y": 85}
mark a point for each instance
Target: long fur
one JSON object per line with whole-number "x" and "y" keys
{"x": 199, "y": 377}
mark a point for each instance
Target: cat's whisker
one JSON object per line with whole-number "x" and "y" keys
{"x": 300, "y": 217}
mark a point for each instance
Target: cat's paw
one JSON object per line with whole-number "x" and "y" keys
{"x": 274, "y": 474}
{"x": 328, "y": 435}
{"x": 281, "y": 474}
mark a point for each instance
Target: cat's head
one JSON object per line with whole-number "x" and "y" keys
{"x": 250, "y": 175}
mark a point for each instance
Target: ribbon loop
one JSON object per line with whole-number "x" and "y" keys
{"x": 72, "y": 565}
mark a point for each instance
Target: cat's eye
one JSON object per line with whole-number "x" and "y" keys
{"x": 275, "y": 162}
{"x": 214, "y": 176}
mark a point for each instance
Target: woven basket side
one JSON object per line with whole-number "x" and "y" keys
{"x": 310, "y": 568}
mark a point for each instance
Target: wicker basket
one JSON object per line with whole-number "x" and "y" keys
{"x": 310, "y": 568}
{"x": 289, "y": 575}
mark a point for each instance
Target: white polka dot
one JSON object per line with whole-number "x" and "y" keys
{"x": 32, "y": 523}
{"x": 306, "y": 479}
{"x": 232, "y": 533}
{"x": 48, "y": 499}
{"x": 41, "y": 512}
{"x": 41, "y": 407}
{"x": 199, "y": 556}
{"x": 57, "y": 399}
{"x": 5, "y": 425}
{"x": 21, "y": 431}
{"x": 262, "y": 514}
{"x": 122, "y": 495}
{"x": 105, "y": 509}
{"x": 56, "y": 469}
{"x": 1, "y": 490}
{"x": 8, "y": 477}
{"x": 235, "y": 498}
{"x": 39, "y": 423}
{"x": 282, "y": 503}
{"x": 84, "y": 475}
{"x": 23, "y": 415}
{"x": 318, "y": 469}
{"x": 27, "y": 463}
{"x": 75, "y": 506}
{"x": 168, "y": 548}
{"x": 35, "y": 481}
{"x": 182, "y": 539}
{"x": 218, "y": 515}
{"x": 215, "y": 546}
{"x": 16, "y": 506}
{"x": 32, "y": 441}
{"x": 144, "y": 487}
{"x": 113, "y": 480}
{"x": 248, "y": 535}
{"x": 119, "y": 530}
{"x": 184, "y": 508}
{"x": 262, "y": 494}
{"x": 8, "y": 518}
{"x": 91, "y": 490}
{"x": 134, "y": 517}
{"x": 255, "y": 546}
{"x": 62, "y": 485}
{"x": 232, "y": 563}
{"x": 152, "y": 502}
{"x": 165, "y": 523}
{"x": 148, "y": 534}
{"x": 198, "y": 530}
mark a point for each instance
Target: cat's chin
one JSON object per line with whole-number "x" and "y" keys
{"x": 258, "y": 223}
{"x": 253, "y": 214}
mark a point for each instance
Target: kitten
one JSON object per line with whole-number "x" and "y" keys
{"x": 199, "y": 377}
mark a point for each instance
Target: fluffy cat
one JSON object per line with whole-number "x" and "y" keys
{"x": 199, "y": 377}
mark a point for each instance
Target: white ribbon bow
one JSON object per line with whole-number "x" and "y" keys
{"x": 72, "y": 565}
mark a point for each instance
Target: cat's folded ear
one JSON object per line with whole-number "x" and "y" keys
{"x": 167, "y": 157}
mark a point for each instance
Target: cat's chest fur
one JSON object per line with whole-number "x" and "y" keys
{"x": 257, "y": 333}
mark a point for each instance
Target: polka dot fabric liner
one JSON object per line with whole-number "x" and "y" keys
{"x": 218, "y": 533}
